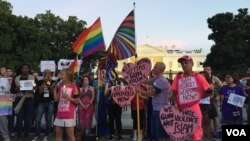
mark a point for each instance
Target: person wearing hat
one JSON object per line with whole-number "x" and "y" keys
{"x": 188, "y": 88}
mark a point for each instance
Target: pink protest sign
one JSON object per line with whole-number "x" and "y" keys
{"x": 179, "y": 125}
{"x": 123, "y": 95}
{"x": 135, "y": 74}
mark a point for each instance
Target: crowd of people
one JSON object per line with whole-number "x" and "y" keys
{"x": 68, "y": 105}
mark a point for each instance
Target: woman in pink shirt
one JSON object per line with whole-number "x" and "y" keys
{"x": 66, "y": 94}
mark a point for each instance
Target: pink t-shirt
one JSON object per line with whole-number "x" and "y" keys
{"x": 189, "y": 89}
{"x": 189, "y": 92}
{"x": 66, "y": 109}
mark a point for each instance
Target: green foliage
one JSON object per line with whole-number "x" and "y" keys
{"x": 231, "y": 35}
{"x": 45, "y": 37}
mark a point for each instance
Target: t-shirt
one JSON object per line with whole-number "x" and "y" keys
{"x": 189, "y": 89}
{"x": 160, "y": 99}
{"x": 228, "y": 109}
{"x": 66, "y": 109}
{"x": 47, "y": 93}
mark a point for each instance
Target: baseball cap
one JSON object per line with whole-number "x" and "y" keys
{"x": 185, "y": 58}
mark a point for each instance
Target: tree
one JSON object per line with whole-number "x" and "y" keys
{"x": 45, "y": 37}
{"x": 231, "y": 35}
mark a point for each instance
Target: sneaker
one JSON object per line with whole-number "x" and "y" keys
{"x": 45, "y": 138}
{"x": 134, "y": 138}
{"x": 110, "y": 138}
{"x": 36, "y": 138}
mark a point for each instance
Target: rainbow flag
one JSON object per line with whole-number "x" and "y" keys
{"x": 74, "y": 65}
{"x": 123, "y": 43}
{"x": 5, "y": 104}
{"x": 90, "y": 40}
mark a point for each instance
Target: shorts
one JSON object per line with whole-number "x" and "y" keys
{"x": 65, "y": 122}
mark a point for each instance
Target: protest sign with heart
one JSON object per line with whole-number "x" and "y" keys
{"x": 122, "y": 95}
{"x": 135, "y": 74}
{"x": 178, "y": 124}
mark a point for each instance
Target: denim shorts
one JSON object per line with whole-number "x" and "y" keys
{"x": 157, "y": 130}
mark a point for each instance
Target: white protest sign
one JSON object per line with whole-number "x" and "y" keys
{"x": 4, "y": 86}
{"x": 188, "y": 90}
{"x": 236, "y": 100}
{"x": 63, "y": 64}
{"x": 26, "y": 85}
{"x": 205, "y": 100}
{"x": 50, "y": 65}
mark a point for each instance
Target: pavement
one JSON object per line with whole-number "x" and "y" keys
{"x": 126, "y": 124}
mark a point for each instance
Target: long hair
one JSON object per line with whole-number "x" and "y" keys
{"x": 69, "y": 74}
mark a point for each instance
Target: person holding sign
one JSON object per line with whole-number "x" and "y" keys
{"x": 134, "y": 113}
{"x": 188, "y": 88}
{"x": 159, "y": 94}
{"x": 45, "y": 104}
{"x": 233, "y": 98}
{"x": 23, "y": 86}
{"x": 4, "y": 89}
{"x": 114, "y": 110}
{"x": 67, "y": 96}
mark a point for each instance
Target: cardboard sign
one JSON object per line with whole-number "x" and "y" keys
{"x": 123, "y": 95}
{"x": 50, "y": 65}
{"x": 188, "y": 90}
{"x": 179, "y": 125}
{"x": 135, "y": 74}
{"x": 236, "y": 100}
{"x": 6, "y": 104}
{"x": 26, "y": 85}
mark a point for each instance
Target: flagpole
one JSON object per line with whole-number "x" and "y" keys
{"x": 137, "y": 96}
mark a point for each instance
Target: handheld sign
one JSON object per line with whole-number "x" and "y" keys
{"x": 135, "y": 74}
{"x": 123, "y": 95}
{"x": 236, "y": 100}
{"x": 178, "y": 125}
{"x": 26, "y": 85}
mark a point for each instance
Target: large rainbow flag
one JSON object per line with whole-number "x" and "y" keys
{"x": 90, "y": 40}
{"x": 123, "y": 44}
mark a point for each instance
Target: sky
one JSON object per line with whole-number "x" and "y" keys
{"x": 181, "y": 24}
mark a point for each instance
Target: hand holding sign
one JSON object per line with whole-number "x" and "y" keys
{"x": 122, "y": 95}
{"x": 178, "y": 124}
{"x": 137, "y": 73}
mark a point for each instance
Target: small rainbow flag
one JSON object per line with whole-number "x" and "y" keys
{"x": 123, "y": 44}
{"x": 90, "y": 40}
{"x": 74, "y": 65}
